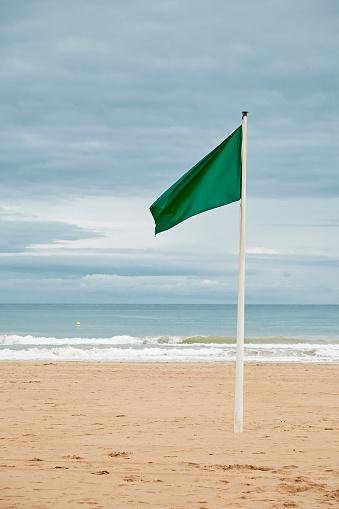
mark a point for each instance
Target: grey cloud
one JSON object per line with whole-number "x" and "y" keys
{"x": 20, "y": 235}
{"x": 306, "y": 260}
{"x": 130, "y": 105}
{"x": 119, "y": 98}
{"x": 129, "y": 263}
{"x": 332, "y": 224}
{"x": 114, "y": 278}
{"x": 118, "y": 289}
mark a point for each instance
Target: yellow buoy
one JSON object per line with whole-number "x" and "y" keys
{"x": 77, "y": 324}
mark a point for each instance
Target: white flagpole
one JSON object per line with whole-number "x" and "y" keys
{"x": 239, "y": 363}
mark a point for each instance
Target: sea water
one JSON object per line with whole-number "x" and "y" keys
{"x": 158, "y": 333}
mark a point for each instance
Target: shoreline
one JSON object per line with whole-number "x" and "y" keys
{"x": 178, "y": 363}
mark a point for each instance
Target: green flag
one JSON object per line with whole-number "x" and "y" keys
{"x": 212, "y": 182}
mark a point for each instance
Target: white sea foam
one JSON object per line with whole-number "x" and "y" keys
{"x": 13, "y": 339}
{"x": 156, "y": 349}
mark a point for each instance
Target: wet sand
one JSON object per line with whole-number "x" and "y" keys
{"x": 160, "y": 436}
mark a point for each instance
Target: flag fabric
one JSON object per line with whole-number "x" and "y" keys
{"x": 212, "y": 182}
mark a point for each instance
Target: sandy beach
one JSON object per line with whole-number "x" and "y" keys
{"x": 160, "y": 435}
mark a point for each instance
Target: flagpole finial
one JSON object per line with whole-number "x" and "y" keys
{"x": 244, "y": 114}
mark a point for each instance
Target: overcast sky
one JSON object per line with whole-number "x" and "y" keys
{"x": 104, "y": 104}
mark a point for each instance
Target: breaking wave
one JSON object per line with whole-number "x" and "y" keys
{"x": 166, "y": 349}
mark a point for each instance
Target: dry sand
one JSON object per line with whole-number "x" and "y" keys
{"x": 160, "y": 436}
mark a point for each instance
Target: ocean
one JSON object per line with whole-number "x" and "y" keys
{"x": 167, "y": 333}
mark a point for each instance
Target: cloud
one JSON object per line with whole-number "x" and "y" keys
{"x": 261, "y": 251}
{"x": 22, "y": 235}
{"x": 139, "y": 276}
{"x": 103, "y": 107}
{"x": 131, "y": 105}
{"x": 124, "y": 263}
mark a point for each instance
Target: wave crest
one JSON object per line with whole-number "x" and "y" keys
{"x": 132, "y": 349}
{"x": 13, "y": 339}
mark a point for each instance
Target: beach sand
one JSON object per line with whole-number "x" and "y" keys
{"x": 160, "y": 436}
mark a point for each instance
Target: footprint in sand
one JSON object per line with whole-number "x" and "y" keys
{"x": 119, "y": 454}
{"x": 240, "y": 467}
{"x": 132, "y": 478}
{"x": 301, "y": 484}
